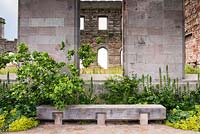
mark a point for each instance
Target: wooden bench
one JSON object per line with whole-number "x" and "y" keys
{"x": 101, "y": 113}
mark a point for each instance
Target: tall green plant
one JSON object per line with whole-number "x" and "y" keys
{"x": 121, "y": 90}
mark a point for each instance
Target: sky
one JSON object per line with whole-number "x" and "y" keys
{"x": 9, "y": 11}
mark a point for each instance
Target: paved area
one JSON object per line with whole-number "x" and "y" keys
{"x": 108, "y": 129}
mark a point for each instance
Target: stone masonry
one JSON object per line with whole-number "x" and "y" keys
{"x": 192, "y": 30}
{"x": 6, "y": 45}
{"x": 154, "y": 37}
{"x": 153, "y": 32}
{"x": 112, "y": 37}
{"x": 44, "y": 24}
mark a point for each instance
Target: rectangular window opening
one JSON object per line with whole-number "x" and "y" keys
{"x": 82, "y": 23}
{"x": 103, "y": 23}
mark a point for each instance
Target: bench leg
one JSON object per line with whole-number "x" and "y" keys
{"x": 101, "y": 119}
{"x": 143, "y": 118}
{"x": 58, "y": 117}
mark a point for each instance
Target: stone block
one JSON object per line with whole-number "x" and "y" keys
{"x": 58, "y": 118}
{"x": 143, "y": 118}
{"x": 101, "y": 118}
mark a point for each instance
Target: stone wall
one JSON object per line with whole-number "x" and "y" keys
{"x": 112, "y": 37}
{"x": 2, "y": 22}
{"x": 6, "y": 45}
{"x": 153, "y": 32}
{"x": 154, "y": 37}
{"x": 44, "y": 24}
{"x": 192, "y": 31}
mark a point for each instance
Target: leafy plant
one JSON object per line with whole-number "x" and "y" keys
{"x": 23, "y": 124}
{"x": 6, "y": 98}
{"x": 187, "y": 120}
{"x": 121, "y": 90}
{"x": 99, "y": 40}
{"x": 191, "y": 70}
{"x": 86, "y": 54}
{"x": 90, "y": 97}
{"x": 4, "y": 59}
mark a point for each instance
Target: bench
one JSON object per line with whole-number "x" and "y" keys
{"x": 103, "y": 113}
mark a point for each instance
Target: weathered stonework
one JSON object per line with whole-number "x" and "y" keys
{"x": 44, "y": 24}
{"x": 6, "y": 45}
{"x": 153, "y": 32}
{"x": 192, "y": 31}
{"x": 112, "y": 37}
{"x": 2, "y": 22}
{"x": 154, "y": 37}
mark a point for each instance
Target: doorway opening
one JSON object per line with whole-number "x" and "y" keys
{"x": 101, "y": 27}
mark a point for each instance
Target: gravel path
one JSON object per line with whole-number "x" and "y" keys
{"x": 108, "y": 129}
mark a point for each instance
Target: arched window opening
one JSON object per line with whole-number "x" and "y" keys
{"x": 103, "y": 58}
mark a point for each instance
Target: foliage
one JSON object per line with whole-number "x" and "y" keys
{"x": 6, "y": 98}
{"x": 40, "y": 81}
{"x": 177, "y": 114}
{"x": 62, "y": 45}
{"x": 121, "y": 90}
{"x": 99, "y": 40}
{"x": 167, "y": 92}
{"x": 12, "y": 69}
{"x": 23, "y": 124}
{"x": 70, "y": 54}
{"x": 4, "y": 59}
{"x": 186, "y": 120}
{"x": 90, "y": 97}
{"x": 191, "y": 70}
{"x": 99, "y": 70}
{"x": 14, "y": 120}
{"x": 86, "y": 54}
{"x": 2, "y": 121}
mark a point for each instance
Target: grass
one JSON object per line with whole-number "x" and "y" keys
{"x": 11, "y": 69}
{"x": 191, "y": 70}
{"x": 94, "y": 70}
{"x": 99, "y": 70}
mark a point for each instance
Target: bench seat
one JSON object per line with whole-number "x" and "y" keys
{"x": 98, "y": 112}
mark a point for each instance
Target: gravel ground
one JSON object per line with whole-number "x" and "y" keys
{"x": 108, "y": 129}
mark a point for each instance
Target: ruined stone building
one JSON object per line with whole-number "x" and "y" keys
{"x": 6, "y": 45}
{"x": 192, "y": 31}
{"x": 152, "y": 33}
{"x": 109, "y": 35}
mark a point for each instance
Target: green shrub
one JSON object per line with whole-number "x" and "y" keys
{"x": 191, "y": 70}
{"x": 121, "y": 90}
{"x": 168, "y": 92}
{"x": 40, "y": 81}
{"x": 2, "y": 121}
{"x": 23, "y": 124}
{"x": 186, "y": 120}
{"x": 7, "y": 117}
{"x": 86, "y": 54}
{"x": 6, "y": 98}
